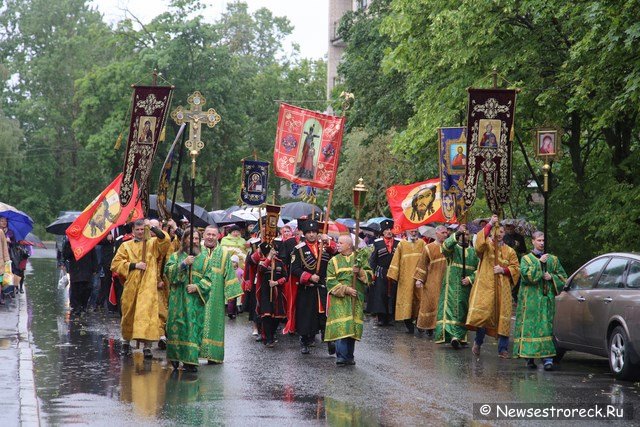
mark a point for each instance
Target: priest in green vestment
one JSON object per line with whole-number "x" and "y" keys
{"x": 346, "y": 302}
{"x": 456, "y": 287}
{"x": 542, "y": 278}
{"x": 218, "y": 274}
{"x": 187, "y": 299}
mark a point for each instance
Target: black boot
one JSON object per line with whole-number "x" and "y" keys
{"x": 410, "y": 327}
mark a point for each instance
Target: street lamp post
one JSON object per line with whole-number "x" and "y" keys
{"x": 546, "y": 168}
{"x": 359, "y": 195}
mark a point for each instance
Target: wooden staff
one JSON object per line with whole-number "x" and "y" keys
{"x": 496, "y": 277}
{"x": 145, "y": 237}
{"x": 325, "y": 229}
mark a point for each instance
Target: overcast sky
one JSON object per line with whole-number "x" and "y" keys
{"x": 309, "y": 17}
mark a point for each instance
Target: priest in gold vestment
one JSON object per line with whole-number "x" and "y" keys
{"x": 490, "y": 302}
{"x": 402, "y": 268}
{"x": 428, "y": 277}
{"x": 139, "y": 273}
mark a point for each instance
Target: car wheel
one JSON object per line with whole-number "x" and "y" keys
{"x": 559, "y": 352}
{"x": 619, "y": 360}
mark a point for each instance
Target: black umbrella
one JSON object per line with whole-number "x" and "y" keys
{"x": 201, "y": 217}
{"x": 297, "y": 210}
{"x": 153, "y": 208}
{"x": 225, "y": 217}
{"x": 60, "y": 225}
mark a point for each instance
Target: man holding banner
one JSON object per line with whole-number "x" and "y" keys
{"x": 490, "y": 302}
{"x": 137, "y": 262}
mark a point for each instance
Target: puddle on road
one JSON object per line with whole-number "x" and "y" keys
{"x": 81, "y": 378}
{"x": 11, "y": 342}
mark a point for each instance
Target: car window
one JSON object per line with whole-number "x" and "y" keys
{"x": 584, "y": 278}
{"x": 613, "y": 274}
{"x": 633, "y": 277}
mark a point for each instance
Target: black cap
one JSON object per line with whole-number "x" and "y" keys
{"x": 386, "y": 225}
{"x": 308, "y": 225}
{"x": 234, "y": 227}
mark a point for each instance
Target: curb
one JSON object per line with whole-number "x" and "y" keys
{"x": 29, "y": 408}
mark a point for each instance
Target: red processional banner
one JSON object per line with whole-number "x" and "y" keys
{"x": 415, "y": 204}
{"x": 307, "y": 146}
{"x": 101, "y": 216}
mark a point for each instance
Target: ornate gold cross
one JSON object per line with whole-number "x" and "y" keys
{"x": 196, "y": 118}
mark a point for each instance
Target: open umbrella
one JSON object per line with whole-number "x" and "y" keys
{"x": 60, "y": 225}
{"x": 245, "y": 216}
{"x": 19, "y": 222}
{"x": 225, "y": 217}
{"x": 297, "y": 210}
{"x": 521, "y": 225}
{"x": 335, "y": 228}
{"x": 349, "y": 222}
{"x": 200, "y": 215}
{"x": 375, "y": 227}
{"x": 33, "y": 240}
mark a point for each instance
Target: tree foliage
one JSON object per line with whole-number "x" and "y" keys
{"x": 578, "y": 66}
{"x": 68, "y": 94}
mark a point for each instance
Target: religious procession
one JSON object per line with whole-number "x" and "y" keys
{"x": 235, "y": 229}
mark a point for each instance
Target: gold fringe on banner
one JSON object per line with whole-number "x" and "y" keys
{"x": 163, "y": 134}
{"x": 118, "y": 142}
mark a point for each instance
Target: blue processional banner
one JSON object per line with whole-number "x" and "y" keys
{"x": 255, "y": 178}
{"x": 453, "y": 162}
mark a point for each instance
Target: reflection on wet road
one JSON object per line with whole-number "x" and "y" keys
{"x": 398, "y": 380}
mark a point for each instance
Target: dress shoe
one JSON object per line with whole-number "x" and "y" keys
{"x": 475, "y": 350}
{"x": 304, "y": 349}
{"x": 212, "y": 362}
{"x": 188, "y": 367}
{"x": 341, "y": 362}
{"x": 350, "y": 362}
{"x": 548, "y": 367}
{"x": 147, "y": 353}
{"x": 162, "y": 344}
{"x": 531, "y": 364}
{"x": 504, "y": 354}
{"x": 331, "y": 346}
{"x": 455, "y": 343}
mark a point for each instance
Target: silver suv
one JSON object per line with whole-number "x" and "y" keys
{"x": 599, "y": 312}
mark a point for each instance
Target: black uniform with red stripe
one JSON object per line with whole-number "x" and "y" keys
{"x": 312, "y": 297}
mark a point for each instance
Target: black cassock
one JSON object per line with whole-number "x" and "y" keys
{"x": 271, "y": 301}
{"x": 312, "y": 298}
{"x": 381, "y": 296}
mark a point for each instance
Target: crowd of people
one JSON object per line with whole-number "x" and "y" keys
{"x": 175, "y": 287}
{"x": 13, "y": 256}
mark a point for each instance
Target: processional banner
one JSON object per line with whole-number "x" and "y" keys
{"x": 489, "y": 141}
{"x": 453, "y": 162}
{"x": 148, "y": 116}
{"x": 415, "y": 204}
{"x": 307, "y": 146}
{"x": 255, "y": 181}
{"x": 102, "y": 215}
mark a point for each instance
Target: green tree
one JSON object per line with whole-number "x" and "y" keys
{"x": 577, "y": 66}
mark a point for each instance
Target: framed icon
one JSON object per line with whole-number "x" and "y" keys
{"x": 547, "y": 143}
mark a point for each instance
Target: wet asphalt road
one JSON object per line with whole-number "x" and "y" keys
{"x": 398, "y": 380}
